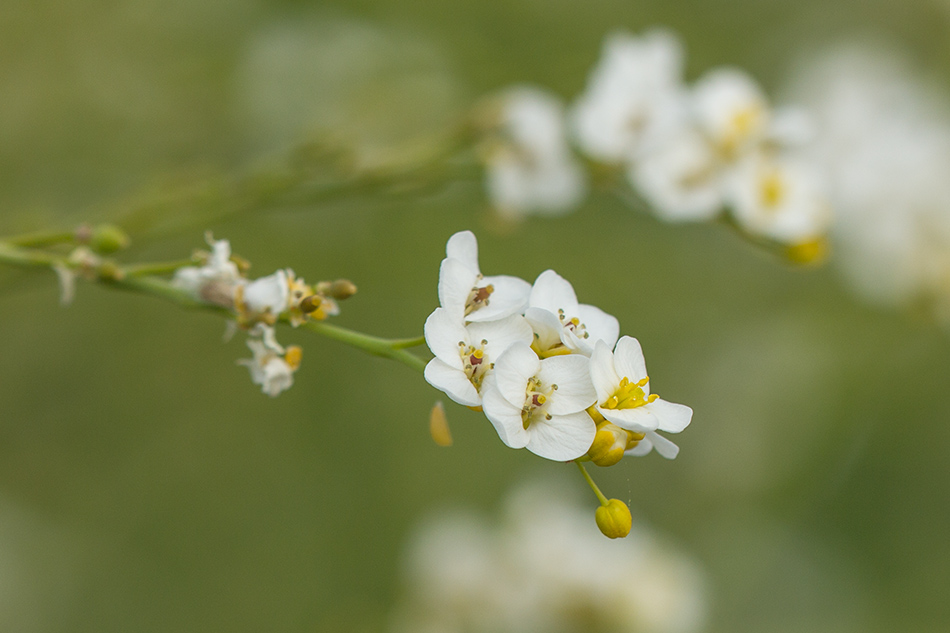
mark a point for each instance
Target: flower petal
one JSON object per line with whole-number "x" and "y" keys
{"x": 512, "y": 371}
{"x": 547, "y": 328}
{"x": 456, "y": 281}
{"x": 563, "y": 437}
{"x": 443, "y": 334}
{"x": 552, "y": 292}
{"x": 663, "y": 446}
{"x": 672, "y": 417}
{"x": 267, "y": 294}
{"x": 628, "y": 360}
{"x": 602, "y": 373}
{"x": 500, "y": 335}
{"x": 453, "y": 382}
{"x": 510, "y": 297}
{"x": 640, "y": 419}
{"x": 642, "y": 448}
{"x": 599, "y": 325}
{"x": 571, "y": 374}
{"x": 464, "y": 247}
{"x": 504, "y": 416}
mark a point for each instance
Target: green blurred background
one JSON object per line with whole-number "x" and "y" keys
{"x": 146, "y": 485}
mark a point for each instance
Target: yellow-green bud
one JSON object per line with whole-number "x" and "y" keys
{"x": 342, "y": 289}
{"x": 609, "y": 444}
{"x": 614, "y": 519}
{"x": 108, "y": 238}
{"x": 810, "y": 253}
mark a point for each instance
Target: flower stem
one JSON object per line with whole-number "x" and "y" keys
{"x": 40, "y": 238}
{"x": 157, "y": 268}
{"x": 387, "y": 348}
{"x": 593, "y": 486}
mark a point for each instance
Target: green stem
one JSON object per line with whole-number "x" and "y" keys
{"x": 156, "y": 268}
{"x": 593, "y": 486}
{"x": 371, "y": 344}
{"x": 40, "y": 238}
{"x": 10, "y": 254}
{"x": 403, "y": 343}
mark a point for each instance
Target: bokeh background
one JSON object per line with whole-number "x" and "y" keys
{"x": 146, "y": 485}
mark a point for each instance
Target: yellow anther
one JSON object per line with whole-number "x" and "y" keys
{"x": 293, "y": 356}
{"x": 614, "y": 519}
{"x": 629, "y": 395}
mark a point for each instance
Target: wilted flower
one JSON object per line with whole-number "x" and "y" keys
{"x": 272, "y": 366}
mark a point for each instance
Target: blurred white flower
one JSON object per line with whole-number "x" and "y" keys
{"x": 466, "y": 294}
{"x": 631, "y": 96}
{"x": 265, "y": 297}
{"x": 884, "y": 147}
{"x": 623, "y": 397}
{"x": 540, "y": 404}
{"x": 530, "y": 168}
{"x": 683, "y": 179}
{"x": 272, "y": 366}
{"x": 730, "y": 109}
{"x": 545, "y": 569}
{"x": 781, "y": 199}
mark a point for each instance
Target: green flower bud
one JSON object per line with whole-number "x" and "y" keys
{"x": 614, "y": 519}
{"x": 108, "y": 238}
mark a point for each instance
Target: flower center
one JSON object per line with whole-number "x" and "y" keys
{"x": 629, "y": 395}
{"x": 478, "y": 297}
{"x": 772, "y": 189}
{"x": 536, "y": 396}
{"x": 573, "y": 324}
{"x": 473, "y": 362}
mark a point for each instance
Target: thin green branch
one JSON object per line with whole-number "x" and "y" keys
{"x": 590, "y": 482}
{"x": 371, "y": 344}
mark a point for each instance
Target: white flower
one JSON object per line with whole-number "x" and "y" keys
{"x": 468, "y": 295}
{"x": 216, "y": 280}
{"x": 623, "y": 397}
{"x": 531, "y": 170}
{"x": 731, "y": 109}
{"x": 630, "y": 95}
{"x": 272, "y": 366}
{"x": 683, "y": 180}
{"x": 576, "y": 326}
{"x": 464, "y": 356}
{"x": 780, "y": 199}
{"x": 540, "y": 404}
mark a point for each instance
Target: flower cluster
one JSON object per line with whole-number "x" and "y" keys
{"x": 543, "y": 569}
{"x": 689, "y": 151}
{"x": 885, "y": 145}
{"x": 548, "y": 372}
{"x": 258, "y": 304}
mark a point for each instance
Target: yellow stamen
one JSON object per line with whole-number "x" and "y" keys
{"x": 629, "y": 395}
{"x": 293, "y": 356}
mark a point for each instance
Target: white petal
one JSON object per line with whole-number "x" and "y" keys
{"x": 599, "y": 325}
{"x": 552, "y": 292}
{"x": 602, "y": 373}
{"x": 663, "y": 446}
{"x": 510, "y": 297}
{"x": 640, "y": 419}
{"x": 642, "y": 448}
{"x": 628, "y": 360}
{"x": 571, "y": 374}
{"x": 500, "y": 335}
{"x": 547, "y": 328}
{"x": 505, "y": 417}
{"x": 456, "y": 281}
{"x": 512, "y": 371}
{"x": 267, "y": 294}
{"x": 464, "y": 247}
{"x": 672, "y": 417}
{"x": 563, "y": 437}
{"x": 453, "y": 382}
{"x": 443, "y": 334}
